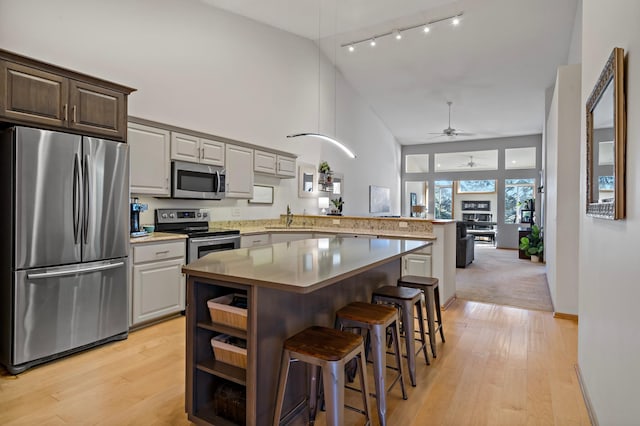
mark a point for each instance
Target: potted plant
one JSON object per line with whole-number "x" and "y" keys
{"x": 533, "y": 244}
{"x": 337, "y": 202}
{"x": 324, "y": 167}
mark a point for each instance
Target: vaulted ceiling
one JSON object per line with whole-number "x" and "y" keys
{"x": 494, "y": 66}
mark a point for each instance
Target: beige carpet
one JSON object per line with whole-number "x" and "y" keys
{"x": 498, "y": 276}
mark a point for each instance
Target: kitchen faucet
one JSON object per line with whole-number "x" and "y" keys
{"x": 289, "y": 216}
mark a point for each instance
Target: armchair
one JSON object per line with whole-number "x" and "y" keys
{"x": 464, "y": 246}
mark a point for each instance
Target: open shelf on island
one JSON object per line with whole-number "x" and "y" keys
{"x": 226, "y": 371}
{"x": 221, "y": 328}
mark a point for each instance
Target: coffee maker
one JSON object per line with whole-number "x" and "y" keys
{"x": 136, "y": 207}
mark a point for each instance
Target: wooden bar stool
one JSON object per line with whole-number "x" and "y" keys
{"x": 406, "y": 299}
{"x": 429, "y": 286}
{"x": 327, "y": 349}
{"x": 375, "y": 319}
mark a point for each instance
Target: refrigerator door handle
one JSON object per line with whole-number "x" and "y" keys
{"x": 85, "y": 222}
{"x": 76, "y": 196}
{"x": 52, "y": 274}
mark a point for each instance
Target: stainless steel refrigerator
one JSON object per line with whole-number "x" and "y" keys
{"x": 64, "y": 254}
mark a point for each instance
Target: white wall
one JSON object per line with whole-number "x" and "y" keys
{"x": 575, "y": 47}
{"x": 204, "y": 69}
{"x": 608, "y": 337}
{"x": 563, "y": 190}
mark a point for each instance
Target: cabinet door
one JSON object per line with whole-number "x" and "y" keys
{"x": 185, "y": 147}
{"x": 33, "y": 95}
{"x": 239, "y": 166}
{"x": 282, "y": 237}
{"x": 97, "y": 110}
{"x": 211, "y": 152}
{"x": 158, "y": 289}
{"x": 264, "y": 162}
{"x": 150, "y": 168}
{"x": 416, "y": 264}
{"x": 255, "y": 240}
{"x": 286, "y": 166}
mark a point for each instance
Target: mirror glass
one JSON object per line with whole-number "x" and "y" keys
{"x": 603, "y": 163}
{"x": 307, "y": 181}
{"x": 606, "y": 141}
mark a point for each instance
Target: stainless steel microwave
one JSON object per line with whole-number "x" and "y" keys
{"x": 197, "y": 181}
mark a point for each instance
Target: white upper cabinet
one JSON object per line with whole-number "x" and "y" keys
{"x": 286, "y": 166}
{"x": 193, "y": 149}
{"x": 239, "y": 179}
{"x": 212, "y": 152}
{"x": 264, "y": 162}
{"x": 150, "y": 168}
{"x": 269, "y": 163}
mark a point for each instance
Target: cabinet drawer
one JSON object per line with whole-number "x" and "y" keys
{"x": 162, "y": 251}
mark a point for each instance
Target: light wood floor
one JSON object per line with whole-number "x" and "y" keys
{"x": 499, "y": 366}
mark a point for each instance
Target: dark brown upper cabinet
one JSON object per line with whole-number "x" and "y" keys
{"x": 40, "y": 94}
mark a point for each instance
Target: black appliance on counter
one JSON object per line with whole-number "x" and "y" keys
{"x": 136, "y": 208}
{"x": 195, "y": 223}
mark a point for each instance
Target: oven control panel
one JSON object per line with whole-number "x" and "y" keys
{"x": 181, "y": 216}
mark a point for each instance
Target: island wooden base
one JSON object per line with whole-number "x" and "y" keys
{"x": 273, "y": 316}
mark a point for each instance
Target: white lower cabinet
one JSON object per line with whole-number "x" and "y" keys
{"x": 255, "y": 240}
{"x": 283, "y": 237}
{"x": 418, "y": 263}
{"x": 158, "y": 285}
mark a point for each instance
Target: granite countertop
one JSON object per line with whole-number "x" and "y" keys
{"x": 157, "y": 236}
{"x": 301, "y": 266}
{"x": 252, "y": 230}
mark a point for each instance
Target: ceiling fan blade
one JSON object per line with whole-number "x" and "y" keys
{"x": 464, "y": 134}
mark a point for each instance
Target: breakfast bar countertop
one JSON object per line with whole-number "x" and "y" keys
{"x": 301, "y": 266}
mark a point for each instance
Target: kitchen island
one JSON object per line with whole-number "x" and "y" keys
{"x": 289, "y": 286}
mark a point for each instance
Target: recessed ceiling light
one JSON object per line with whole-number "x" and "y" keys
{"x": 426, "y": 29}
{"x": 351, "y": 48}
{"x": 513, "y": 161}
{"x": 397, "y": 34}
{"x": 455, "y": 21}
{"x": 372, "y": 43}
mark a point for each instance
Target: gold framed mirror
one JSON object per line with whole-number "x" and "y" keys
{"x": 606, "y": 141}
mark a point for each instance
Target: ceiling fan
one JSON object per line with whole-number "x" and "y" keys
{"x": 469, "y": 163}
{"x": 450, "y": 131}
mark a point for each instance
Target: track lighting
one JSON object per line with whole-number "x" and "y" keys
{"x": 399, "y": 32}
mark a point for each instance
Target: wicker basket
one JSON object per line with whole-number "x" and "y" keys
{"x": 227, "y": 352}
{"x": 222, "y": 313}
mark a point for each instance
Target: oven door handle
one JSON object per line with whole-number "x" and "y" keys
{"x": 213, "y": 239}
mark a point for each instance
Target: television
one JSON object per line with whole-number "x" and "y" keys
{"x": 379, "y": 199}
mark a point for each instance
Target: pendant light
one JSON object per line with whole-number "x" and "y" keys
{"x": 318, "y": 135}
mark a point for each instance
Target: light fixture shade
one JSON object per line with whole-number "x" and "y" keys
{"x": 346, "y": 150}
{"x": 323, "y": 202}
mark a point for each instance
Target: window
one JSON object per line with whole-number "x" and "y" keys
{"x": 516, "y": 192}
{"x": 476, "y": 186}
{"x": 443, "y": 199}
{"x": 465, "y": 161}
{"x": 520, "y": 158}
{"x": 416, "y": 163}
{"x": 416, "y": 198}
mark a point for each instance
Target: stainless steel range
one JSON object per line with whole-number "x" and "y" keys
{"x": 195, "y": 223}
